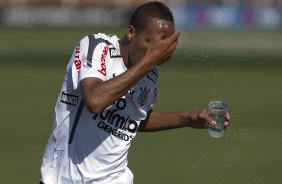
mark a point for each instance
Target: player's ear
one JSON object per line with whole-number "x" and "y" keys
{"x": 130, "y": 32}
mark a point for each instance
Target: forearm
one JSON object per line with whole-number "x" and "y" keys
{"x": 157, "y": 121}
{"x": 101, "y": 94}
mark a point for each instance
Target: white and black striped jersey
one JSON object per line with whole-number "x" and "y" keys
{"x": 92, "y": 148}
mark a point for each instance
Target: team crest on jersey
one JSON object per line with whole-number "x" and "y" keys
{"x": 143, "y": 98}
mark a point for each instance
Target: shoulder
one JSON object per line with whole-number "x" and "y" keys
{"x": 96, "y": 39}
{"x": 99, "y": 43}
{"x": 93, "y": 40}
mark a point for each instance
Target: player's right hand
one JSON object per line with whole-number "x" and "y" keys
{"x": 161, "y": 48}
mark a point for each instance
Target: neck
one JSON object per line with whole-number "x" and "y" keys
{"x": 123, "y": 45}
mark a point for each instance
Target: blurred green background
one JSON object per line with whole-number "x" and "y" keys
{"x": 242, "y": 68}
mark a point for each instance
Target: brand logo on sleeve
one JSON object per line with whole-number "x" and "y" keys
{"x": 103, "y": 69}
{"x": 114, "y": 53}
{"x": 77, "y": 61}
{"x": 69, "y": 99}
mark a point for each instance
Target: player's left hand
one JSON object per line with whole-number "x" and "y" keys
{"x": 201, "y": 119}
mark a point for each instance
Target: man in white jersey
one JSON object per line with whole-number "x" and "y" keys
{"x": 107, "y": 95}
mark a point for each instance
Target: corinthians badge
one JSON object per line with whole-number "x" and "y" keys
{"x": 143, "y": 98}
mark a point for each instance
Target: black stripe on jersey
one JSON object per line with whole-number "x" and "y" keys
{"x": 155, "y": 70}
{"x": 93, "y": 42}
{"x": 153, "y": 75}
{"x": 76, "y": 119}
{"x": 91, "y": 48}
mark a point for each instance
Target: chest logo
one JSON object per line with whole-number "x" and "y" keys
{"x": 144, "y": 94}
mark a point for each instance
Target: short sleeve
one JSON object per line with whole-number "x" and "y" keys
{"x": 94, "y": 58}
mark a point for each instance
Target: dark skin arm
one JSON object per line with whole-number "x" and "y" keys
{"x": 157, "y": 121}
{"x": 100, "y": 94}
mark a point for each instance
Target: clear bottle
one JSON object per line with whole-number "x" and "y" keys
{"x": 217, "y": 111}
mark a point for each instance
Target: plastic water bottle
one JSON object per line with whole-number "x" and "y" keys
{"x": 217, "y": 111}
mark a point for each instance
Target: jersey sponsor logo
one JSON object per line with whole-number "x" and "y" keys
{"x": 103, "y": 69}
{"x": 143, "y": 97}
{"x": 114, "y": 53}
{"x": 115, "y": 132}
{"x": 116, "y": 124}
{"x": 77, "y": 61}
{"x": 69, "y": 99}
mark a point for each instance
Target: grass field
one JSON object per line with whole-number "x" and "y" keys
{"x": 242, "y": 68}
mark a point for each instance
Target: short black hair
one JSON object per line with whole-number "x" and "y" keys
{"x": 144, "y": 13}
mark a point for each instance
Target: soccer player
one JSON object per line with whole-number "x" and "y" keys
{"x": 107, "y": 95}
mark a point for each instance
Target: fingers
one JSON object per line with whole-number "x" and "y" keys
{"x": 174, "y": 37}
{"x": 208, "y": 118}
{"x": 227, "y": 116}
{"x": 173, "y": 41}
{"x": 227, "y": 120}
{"x": 172, "y": 47}
{"x": 158, "y": 38}
{"x": 210, "y": 121}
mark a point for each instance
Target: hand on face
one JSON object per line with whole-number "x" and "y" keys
{"x": 155, "y": 44}
{"x": 161, "y": 48}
